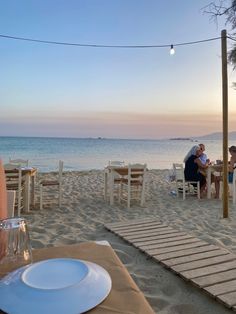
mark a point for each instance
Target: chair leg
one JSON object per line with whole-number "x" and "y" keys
{"x": 143, "y": 195}
{"x": 41, "y": 197}
{"x": 198, "y": 190}
{"x": 59, "y": 196}
{"x": 234, "y": 193}
{"x": 19, "y": 202}
{"x": 184, "y": 191}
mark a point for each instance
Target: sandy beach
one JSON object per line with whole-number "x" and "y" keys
{"x": 85, "y": 211}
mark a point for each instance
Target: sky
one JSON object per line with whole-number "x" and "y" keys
{"x": 71, "y": 91}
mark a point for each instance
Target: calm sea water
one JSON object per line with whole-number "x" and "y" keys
{"x": 86, "y": 154}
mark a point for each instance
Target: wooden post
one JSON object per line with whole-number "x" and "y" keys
{"x": 225, "y": 121}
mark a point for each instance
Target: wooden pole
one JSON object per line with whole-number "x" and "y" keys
{"x": 225, "y": 121}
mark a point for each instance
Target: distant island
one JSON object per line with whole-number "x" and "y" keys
{"x": 211, "y": 136}
{"x": 183, "y": 139}
{"x": 217, "y": 136}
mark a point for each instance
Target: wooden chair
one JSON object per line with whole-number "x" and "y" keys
{"x": 15, "y": 182}
{"x": 47, "y": 183}
{"x": 108, "y": 180}
{"x": 11, "y": 197}
{"x": 184, "y": 186}
{"x": 133, "y": 188}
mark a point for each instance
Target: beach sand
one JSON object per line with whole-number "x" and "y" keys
{"x": 84, "y": 212}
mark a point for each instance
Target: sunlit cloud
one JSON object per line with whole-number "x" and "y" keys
{"x": 114, "y": 125}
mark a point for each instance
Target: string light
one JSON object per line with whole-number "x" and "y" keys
{"x": 172, "y": 51}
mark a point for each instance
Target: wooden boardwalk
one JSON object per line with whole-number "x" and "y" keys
{"x": 207, "y": 266}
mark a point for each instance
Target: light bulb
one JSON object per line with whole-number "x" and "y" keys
{"x": 172, "y": 51}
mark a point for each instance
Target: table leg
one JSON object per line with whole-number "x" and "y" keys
{"x": 111, "y": 187}
{"x": 32, "y": 190}
{"x": 208, "y": 182}
{"x": 27, "y": 193}
{"x": 105, "y": 183}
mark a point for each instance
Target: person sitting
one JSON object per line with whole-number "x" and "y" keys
{"x": 192, "y": 166}
{"x": 203, "y": 158}
{"x": 231, "y": 166}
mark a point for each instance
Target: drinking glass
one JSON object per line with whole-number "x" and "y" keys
{"x": 15, "y": 247}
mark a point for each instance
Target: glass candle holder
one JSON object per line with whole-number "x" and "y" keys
{"x": 15, "y": 246}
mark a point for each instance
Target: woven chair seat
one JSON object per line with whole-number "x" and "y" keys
{"x": 49, "y": 182}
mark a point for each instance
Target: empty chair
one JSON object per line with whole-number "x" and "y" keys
{"x": 15, "y": 181}
{"x": 11, "y": 197}
{"x": 183, "y": 186}
{"x": 19, "y": 161}
{"x": 133, "y": 187}
{"x": 47, "y": 183}
{"x": 113, "y": 179}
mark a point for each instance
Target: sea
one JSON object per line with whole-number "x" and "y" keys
{"x": 95, "y": 153}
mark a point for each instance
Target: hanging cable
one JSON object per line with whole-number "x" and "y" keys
{"x": 108, "y": 46}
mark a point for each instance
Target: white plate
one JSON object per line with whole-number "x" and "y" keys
{"x": 60, "y": 286}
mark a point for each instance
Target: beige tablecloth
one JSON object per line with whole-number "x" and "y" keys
{"x": 125, "y": 296}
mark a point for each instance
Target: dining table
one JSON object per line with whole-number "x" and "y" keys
{"x": 124, "y": 297}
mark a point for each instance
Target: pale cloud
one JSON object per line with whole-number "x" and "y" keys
{"x": 114, "y": 125}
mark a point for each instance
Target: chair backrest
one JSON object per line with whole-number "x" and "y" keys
{"x": 136, "y": 172}
{"x": 19, "y": 161}
{"x": 178, "y": 171}
{"x": 117, "y": 163}
{"x": 11, "y": 197}
{"x": 12, "y": 172}
{"x": 14, "y": 178}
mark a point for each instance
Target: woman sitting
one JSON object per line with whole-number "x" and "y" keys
{"x": 192, "y": 166}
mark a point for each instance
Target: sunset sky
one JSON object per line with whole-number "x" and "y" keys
{"x": 53, "y": 90}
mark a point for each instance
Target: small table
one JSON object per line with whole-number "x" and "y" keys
{"x": 125, "y": 296}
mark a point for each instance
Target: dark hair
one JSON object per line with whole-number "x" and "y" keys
{"x": 232, "y": 148}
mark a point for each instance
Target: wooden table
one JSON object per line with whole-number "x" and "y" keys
{"x": 125, "y": 296}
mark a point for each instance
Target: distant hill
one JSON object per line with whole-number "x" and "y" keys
{"x": 216, "y": 136}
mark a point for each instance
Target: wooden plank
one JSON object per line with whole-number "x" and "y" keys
{"x": 160, "y": 237}
{"x": 163, "y": 240}
{"x": 148, "y": 234}
{"x": 147, "y": 224}
{"x": 204, "y": 262}
{"x": 222, "y": 288}
{"x": 167, "y": 256}
{"x": 190, "y": 274}
{"x": 176, "y": 248}
{"x": 129, "y": 223}
{"x": 195, "y": 257}
{"x": 142, "y": 230}
{"x": 168, "y": 244}
{"x": 215, "y": 278}
{"x": 229, "y": 298}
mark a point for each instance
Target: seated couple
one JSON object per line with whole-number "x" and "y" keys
{"x": 196, "y": 164}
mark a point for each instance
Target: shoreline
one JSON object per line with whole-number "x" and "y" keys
{"x": 84, "y": 212}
